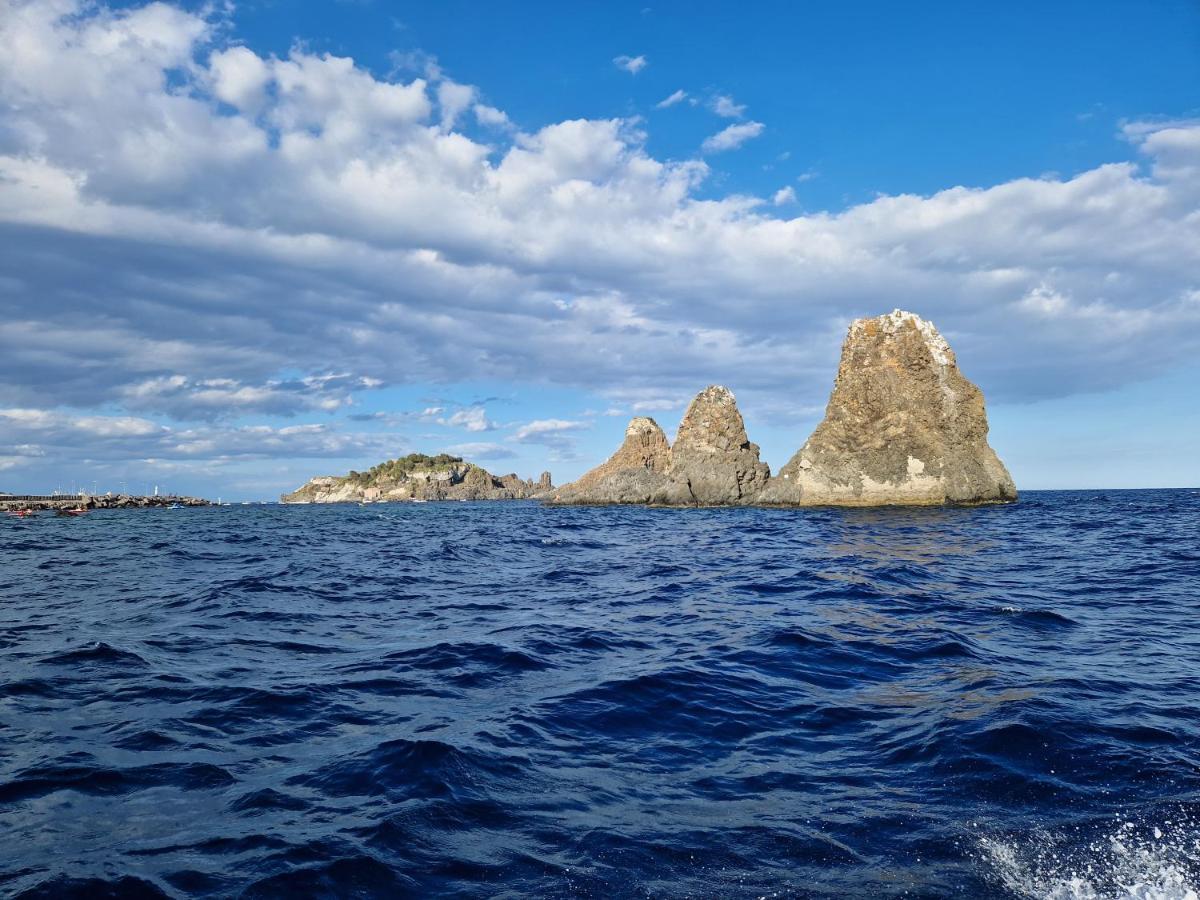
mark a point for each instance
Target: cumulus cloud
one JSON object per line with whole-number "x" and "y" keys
{"x": 784, "y": 196}
{"x": 558, "y": 435}
{"x": 454, "y": 99}
{"x": 189, "y": 228}
{"x": 677, "y": 97}
{"x": 630, "y": 64}
{"x": 491, "y": 117}
{"x": 540, "y": 430}
{"x": 472, "y": 418}
{"x": 725, "y": 107}
{"x": 732, "y": 137}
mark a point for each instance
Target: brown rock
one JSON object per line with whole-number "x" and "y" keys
{"x": 903, "y": 426}
{"x": 634, "y": 474}
{"x": 713, "y": 462}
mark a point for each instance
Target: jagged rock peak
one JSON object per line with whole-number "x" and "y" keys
{"x": 631, "y": 475}
{"x": 645, "y": 446}
{"x": 713, "y": 462}
{"x": 903, "y": 426}
{"x": 712, "y": 423}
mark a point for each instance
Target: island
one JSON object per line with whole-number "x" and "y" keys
{"x": 419, "y": 477}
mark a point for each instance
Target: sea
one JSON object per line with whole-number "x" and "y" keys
{"x": 509, "y": 700}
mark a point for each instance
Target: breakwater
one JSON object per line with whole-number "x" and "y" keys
{"x": 95, "y": 501}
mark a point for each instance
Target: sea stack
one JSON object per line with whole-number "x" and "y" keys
{"x": 713, "y": 462}
{"x": 634, "y": 474}
{"x": 903, "y": 427}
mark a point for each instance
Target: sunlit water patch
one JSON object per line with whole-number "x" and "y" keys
{"x": 480, "y": 700}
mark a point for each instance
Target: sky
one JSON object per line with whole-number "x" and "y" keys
{"x": 242, "y": 244}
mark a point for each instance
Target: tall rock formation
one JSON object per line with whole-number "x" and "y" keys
{"x": 903, "y": 426}
{"x": 634, "y": 474}
{"x": 713, "y": 463}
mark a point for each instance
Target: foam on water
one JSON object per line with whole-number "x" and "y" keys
{"x": 1128, "y": 861}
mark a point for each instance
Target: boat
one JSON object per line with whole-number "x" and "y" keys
{"x": 76, "y": 511}
{"x": 22, "y": 513}
{"x": 175, "y": 506}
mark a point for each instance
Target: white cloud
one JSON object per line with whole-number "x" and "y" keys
{"x": 491, "y": 117}
{"x": 240, "y": 78}
{"x": 631, "y": 64}
{"x": 660, "y": 404}
{"x": 454, "y": 99}
{"x": 472, "y": 418}
{"x": 481, "y": 450}
{"x": 557, "y": 435}
{"x": 677, "y": 97}
{"x": 101, "y": 439}
{"x": 208, "y": 398}
{"x": 725, "y": 107}
{"x": 543, "y": 430}
{"x": 732, "y": 137}
{"x": 784, "y": 196}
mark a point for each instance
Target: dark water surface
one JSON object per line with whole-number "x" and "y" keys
{"x": 478, "y": 700}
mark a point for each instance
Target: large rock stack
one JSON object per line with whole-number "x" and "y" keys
{"x": 903, "y": 426}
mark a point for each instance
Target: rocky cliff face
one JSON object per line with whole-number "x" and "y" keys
{"x": 634, "y": 474}
{"x": 903, "y": 426}
{"x": 712, "y": 463}
{"x": 418, "y": 477}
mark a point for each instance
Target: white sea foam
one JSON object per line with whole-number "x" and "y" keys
{"x": 1128, "y": 862}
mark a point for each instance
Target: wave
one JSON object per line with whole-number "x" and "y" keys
{"x": 1126, "y": 861}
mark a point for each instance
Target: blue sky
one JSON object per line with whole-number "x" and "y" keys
{"x": 243, "y": 245}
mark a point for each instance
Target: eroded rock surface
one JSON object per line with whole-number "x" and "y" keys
{"x": 634, "y": 474}
{"x": 712, "y": 462}
{"x": 903, "y": 426}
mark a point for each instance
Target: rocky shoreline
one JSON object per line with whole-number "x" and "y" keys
{"x": 903, "y": 427}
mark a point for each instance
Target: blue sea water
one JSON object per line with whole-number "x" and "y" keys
{"x": 505, "y": 700}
